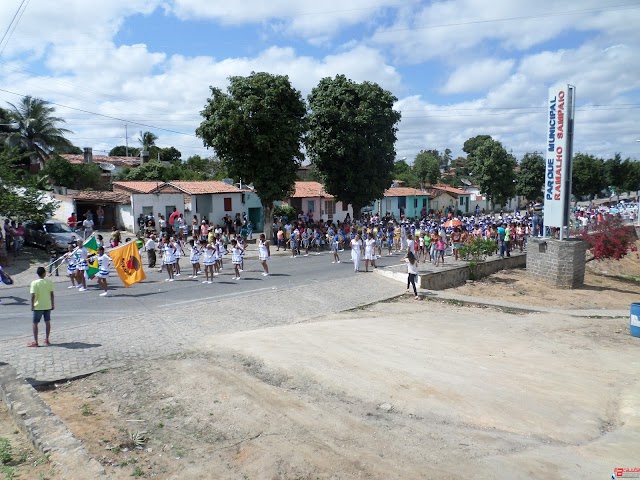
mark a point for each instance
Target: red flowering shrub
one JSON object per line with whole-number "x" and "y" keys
{"x": 610, "y": 239}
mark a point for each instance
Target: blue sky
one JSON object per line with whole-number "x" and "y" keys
{"x": 458, "y": 68}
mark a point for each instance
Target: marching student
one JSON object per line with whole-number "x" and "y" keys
{"x": 70, "y": 260}
{"x": 103, "y": 270}
{"x": 356, "y": 252}
{"x": 81, "y": 266}
{"x": 369, "y": 252}
{"x": 169, "y": 258}
{"x": 236, "y": 258}
{"x": 179, "y": 243}
{"x": 305, "y": 242}
{"x": 194, "y": 257}
{"x": 412, "y": 273}
{"x": 264, "y": 254}
{"x": 335, "y": 243}
{"x": 208, "y": 260}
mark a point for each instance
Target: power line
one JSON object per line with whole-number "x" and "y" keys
{"x": 627, "y": 6}
{"x": 107, "y": 116}
{"x": 8, "y": 34}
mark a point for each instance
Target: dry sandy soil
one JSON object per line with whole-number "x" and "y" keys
{"x": 608, "y": 285}
{"x": 399, "y": 390}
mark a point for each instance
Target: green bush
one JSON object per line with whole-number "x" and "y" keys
{"x": 477, "y": 251}
{"x": 6, "y": 455}
{"x": 286, "y": 212}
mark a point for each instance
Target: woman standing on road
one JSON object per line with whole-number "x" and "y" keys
{"x": 103, "y": 270}
{"x": 236, "y": 258}
{"x": 412, "y": 271}
{"x": 169, "y": 258}
{"x": 356, "y": 252}
{"x": 369, "y": 252}
{"x": 70, "y": 260}
{"x": 264, "y": 254}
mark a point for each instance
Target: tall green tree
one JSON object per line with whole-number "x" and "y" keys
{"x": 402, "y": 171}
{"x": 530, "y": 178}
{"x": 494, "y": 171}
{"x": 427, "y": 167}
{"x": 616, "y": 172}
{"x": 445, "y": 159}
{"x": 38, "y": 131}
{"x": 122, "y": 150}
{"x": 212, "y": 168}
{"x": 77, "y": 176}
{"x": 351, "y": 139}
{"x": 472, "y": 144}
{"x": 170, "y": 154}
{"x": 257, "y": 129}
{"x": 588, "y": 177}
{"x": 147, "y": 140}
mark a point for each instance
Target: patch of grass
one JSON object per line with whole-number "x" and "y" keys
{"x": 116, "y": 450}
{"x": 8, "y": 472}
{"x": 85, "y": 410}
{"x": 161, "y": 425}
{"x": 137, "y": 472}
{"x": 6, "y": 451}
{"x": 131, "y": 461}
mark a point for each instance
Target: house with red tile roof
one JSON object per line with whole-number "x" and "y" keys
{"x": 310, "y": 198}
{"x": 447, "y": 198}
{"x": 403, "y": 201}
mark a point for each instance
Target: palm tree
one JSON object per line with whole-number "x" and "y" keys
{"x": 37, "y": 131}
{"x": 147, "y": 140}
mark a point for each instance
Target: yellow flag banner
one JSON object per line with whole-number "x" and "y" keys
{"x": 126, "y": 260}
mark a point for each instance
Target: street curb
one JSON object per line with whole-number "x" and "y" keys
{"x": 44, "y": 429}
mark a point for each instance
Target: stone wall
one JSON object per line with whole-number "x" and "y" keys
{"x": 561, "y": 263}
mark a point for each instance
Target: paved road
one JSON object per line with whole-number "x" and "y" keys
{"x": 161, "y": 299}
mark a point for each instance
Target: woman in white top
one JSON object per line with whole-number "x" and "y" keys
{"x": 70, "y": 260}
{"x": 264, "y": 254}
{"x": 81, "y": 266}
{"x": 412, "y": 270}
{"x": 236, "y": 258}
{"x": 356, "y": 252}
{"x": 179, "y": 243}
{"x": 369, "y": 252}
{"x": 208, "y": 260}
{"x": 169, "y": 258}
{"x": 103, "y": 270}
{"x": 194, "y": 257}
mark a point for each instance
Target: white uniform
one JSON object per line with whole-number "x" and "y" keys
{"x": 81, "y": 259}
{"x": 369, "y": 249}
{"x": 356, "y": 246}
{"x": 103, "y": 266}
{"x": 208, "y": 257}
{"x": 236, "y": 255}
{"x": 263, "y": 252}
{"x": 169, "y": 255}
{"x": 195, "y": 254}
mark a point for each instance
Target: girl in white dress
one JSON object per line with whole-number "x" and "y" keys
{"x": 236, "y": 258}
{"x": 208, "y": 260}
{"x": 263, "y": 254}
{"x": 70, "y": 260}
{"x": 169, "y": 258}
{"x": 179, "y": 243}
{"x": 81, "y": 266}
{"x": 369, "y": 252}
{"x": 221, "y": 251}
{"x": 356, "y": 252}
{"x": 194, "y": 258}
{"x": 103, "y": 270}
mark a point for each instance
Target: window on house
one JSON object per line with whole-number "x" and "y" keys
{"x": 147, "y": 211}
{"x": 388, "y": 204}
{"x": 461, "y": 201}
{"x": 345, "y": 206}
{"x": 330, "y": 207}
{"x": 415, "y": 203}
{"x": 227, "y": 204}
{"x": 424, "y": 203}
{"x": 311, "y": 206}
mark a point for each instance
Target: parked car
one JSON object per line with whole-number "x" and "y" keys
{"x": 51, "y": 233}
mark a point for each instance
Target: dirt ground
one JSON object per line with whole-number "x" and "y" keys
{"x": 398, "y": 390}
{"x": 608, "y": 284}
{"x": 25, "y": 462}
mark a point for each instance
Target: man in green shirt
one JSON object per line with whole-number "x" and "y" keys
{"x": 42, "y": 302}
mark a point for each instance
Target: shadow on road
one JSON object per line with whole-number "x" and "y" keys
{"x": 76, "y": 345}
{"x": 137, "y": 295}
{"x": 18, "y": 301}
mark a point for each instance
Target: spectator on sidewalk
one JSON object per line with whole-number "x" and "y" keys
{"x": 42, "y": 303}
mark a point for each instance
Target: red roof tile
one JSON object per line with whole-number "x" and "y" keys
{"x": 136, "y": 187}
{"x": 309, "y": 190}
{"x": 205, "y": 187}
{"x": 105, "y": 197}
{"x": 404, "y": 192}
{"x": 452, "y": 190}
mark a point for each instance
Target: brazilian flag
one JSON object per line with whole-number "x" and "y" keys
{"x": 92, "y": 248}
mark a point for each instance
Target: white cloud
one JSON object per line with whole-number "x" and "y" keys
{"x": 478, "y": 76}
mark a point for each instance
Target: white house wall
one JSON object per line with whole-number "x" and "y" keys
{"x": 65, "y": 207}
{"x": 159, "y": 202}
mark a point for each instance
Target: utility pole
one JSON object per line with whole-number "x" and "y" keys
{"x": 126, "y": 140}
